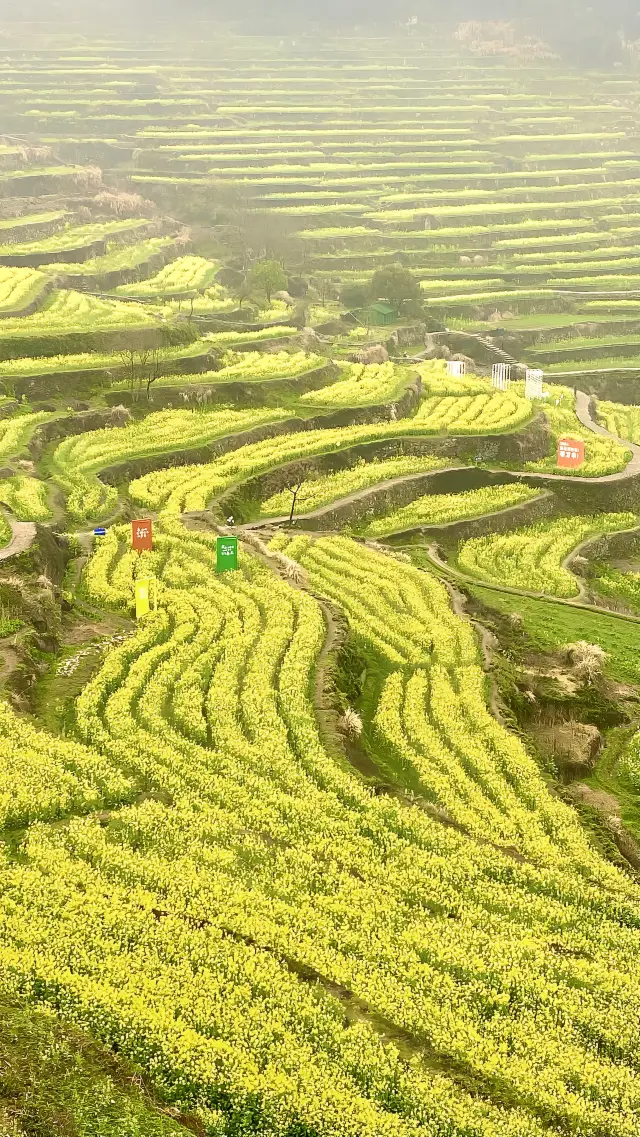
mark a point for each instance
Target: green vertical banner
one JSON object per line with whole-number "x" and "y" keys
{"x": 226, "y": 554}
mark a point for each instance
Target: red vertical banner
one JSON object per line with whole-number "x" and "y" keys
{"x": 142, "y": 535}
{"x": 570, "y": 452}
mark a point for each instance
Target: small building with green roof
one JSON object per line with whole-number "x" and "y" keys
{"x": 378, "y": 314}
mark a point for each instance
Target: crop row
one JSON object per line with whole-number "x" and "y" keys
{"x": 362, "y": 385}
{"x": 16, "y": 432}
{"x": 242, "y": 367}
{"x": 231, "y": 338}
{"x": 94, "y": 271}
{"x": 252, "y": 367}
{"x": 67, "y": 312}
{"x": 191, "y": 487}
{"x": 71, "y": 237}
{"x": 317, "y": 490}
{"x": 483, "y": 413}
{"x": 43, "y": 778}
{"x": 24, "y": 366}
{"x": 186, "y": 927}
{"x": 532, "y": 558}
{"x": 584, "y": 362}
{"x": 186, "y": 274}
{"x": 27, "y": 498}
{"x": 621, "y": 420}
{"x": 77, "y": 460}
{"x": 20, "y": 287}
{"x": 438, "y": 509}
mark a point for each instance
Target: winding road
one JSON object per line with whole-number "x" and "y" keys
{"x": 583, "y": 414}
{"x": 22, "y": 538}
{"x": 24, "y": 532}
{"x": 446, "y": 570}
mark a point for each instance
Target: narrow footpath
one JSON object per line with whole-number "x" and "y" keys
{"x": 23, "y": 536}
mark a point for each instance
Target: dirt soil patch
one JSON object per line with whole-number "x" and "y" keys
{"x": 575, "y": 746}
{"x": 603, "y": 802}
{"x": 84, "y": 631}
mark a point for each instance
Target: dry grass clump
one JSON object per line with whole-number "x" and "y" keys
{"x": 350, "y": 723}
{"x": 119, "y": 416}
{"x": 88, "y": 178}
{"x": 386, "y": 551}
{"x": 256, "y": 543}
{"x": 291, "y": 569}
{"x": 502, "y": 37}
{"x": 121, "y": 204}
{"x": 375, "y": 353}
{"x": 35, "y": 155}
{"x": 183, "y": 239}
{"x": 587, "y": 660}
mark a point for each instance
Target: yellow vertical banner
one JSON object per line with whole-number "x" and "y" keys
{"x": 143, "y": 595}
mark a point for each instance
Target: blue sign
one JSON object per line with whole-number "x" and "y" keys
{"x": 100, "y": 531}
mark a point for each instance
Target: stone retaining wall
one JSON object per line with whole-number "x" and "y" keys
{"x": 504, "y": 521}
{"x": 241, "y": 501}
{"x": 264, "y": 392}
{"x": 33, "y": 305}
{"x": 85, "y": 380}
{"x": 383, "y": 499}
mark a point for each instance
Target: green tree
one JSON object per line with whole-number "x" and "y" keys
{"x": 395, "y": 284}
{"x": 267, "y": 277}
{"x": 356, "y": 295}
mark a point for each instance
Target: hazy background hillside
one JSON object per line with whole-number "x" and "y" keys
{"x": 587, "y": 34}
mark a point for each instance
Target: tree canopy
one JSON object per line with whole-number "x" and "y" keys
{"x": 395, "y": 284}
{"x": 267, "y": 277}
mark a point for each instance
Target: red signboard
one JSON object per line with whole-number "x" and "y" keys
{"x": 142, "y": 535}
{"x": 570, "y": 452}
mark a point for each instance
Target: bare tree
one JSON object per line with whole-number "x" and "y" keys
{"x": 294, "y": 491}
{"x": 324, "y": 288}
{"x": 157, "y": 358}
{"x": 243, "y": 292}
{"x": 128, "y": 357}
{"x": 135, "y": 361}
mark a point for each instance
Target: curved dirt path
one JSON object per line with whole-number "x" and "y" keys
{"x": 567, "y": 563}
{"x": 23, "y": 536}
{"x": 357, "y": 495}
{"x": 487, "y": 642}
{"x": 579, "y": 551}
{"x": 448, "y": 570}
{"x": 583, "y": 414}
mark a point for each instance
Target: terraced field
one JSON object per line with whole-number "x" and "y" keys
{"x": 342, "y": 840}
{"x": 532, "y": 558}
